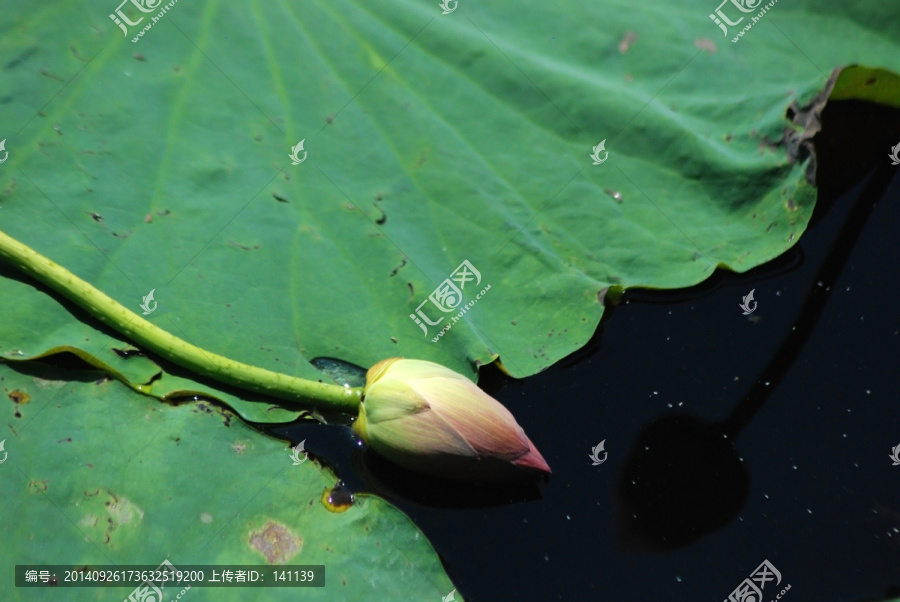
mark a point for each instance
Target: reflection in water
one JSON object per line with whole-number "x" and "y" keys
{"x": 385, "y": 478}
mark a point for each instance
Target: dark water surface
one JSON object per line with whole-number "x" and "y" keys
{"x": 676, "y": 513}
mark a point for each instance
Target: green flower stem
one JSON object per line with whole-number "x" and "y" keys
{"x": 170, "y": 347}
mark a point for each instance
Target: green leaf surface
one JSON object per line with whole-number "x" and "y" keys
{"x": 431, "y": 139}
{"x": 189, "y": 483}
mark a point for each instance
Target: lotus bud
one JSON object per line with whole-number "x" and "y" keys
{"x": 432, "y": 420}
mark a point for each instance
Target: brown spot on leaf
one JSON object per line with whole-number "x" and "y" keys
{"x": 627, "y": 40}
{"x": 276, "y": 543}
{"x": 234, "y": 244}
{"x": 103, "y": 513}
{"x": 46, "y": 73}
{"x": 19, "y": 397}
{"x": 706, "y": 44}
{"x": 123, "y": 511}
{"x": 396, "y": 269}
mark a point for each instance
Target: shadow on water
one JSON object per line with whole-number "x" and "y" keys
{"x": 683, "y": 478}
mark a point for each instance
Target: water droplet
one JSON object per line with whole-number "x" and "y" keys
{"x": 340, "y": 371}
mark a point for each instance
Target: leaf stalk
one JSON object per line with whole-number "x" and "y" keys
{"x": 166, "y": 345}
